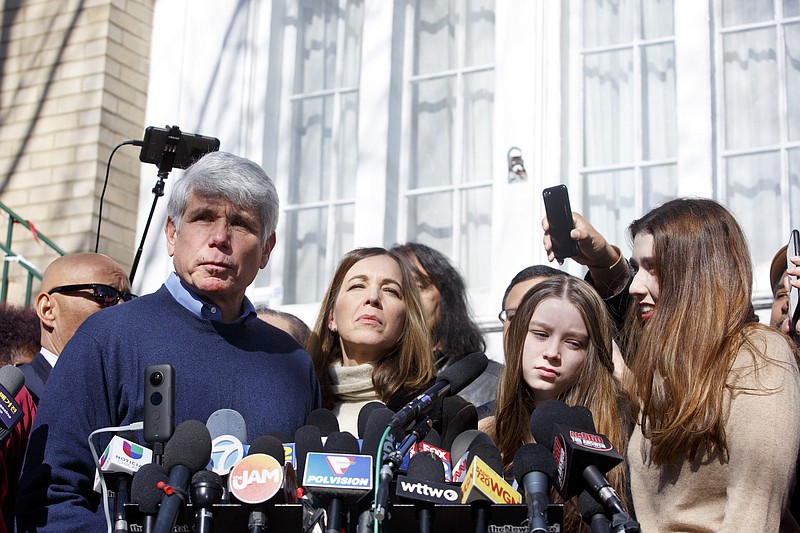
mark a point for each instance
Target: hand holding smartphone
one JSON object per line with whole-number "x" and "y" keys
{"x": 559, "y": 217}
{"x": 793, "y": 249}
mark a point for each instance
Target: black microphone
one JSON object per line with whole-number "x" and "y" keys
{"x": 458, "y": 416}
{"x": 306, "y": 439}
{"x": 11, "y": 381}
{"x": 481, "y": 447}
{"x": 582, "y": 457}
{"x": 187, "y": 452}
{"x": 593, "y": 514}
{"x": 122, "y": 487}
{"x": 258, "y": 478}
{"x": 324, "y": 419}
{"x": 376, "y": 424}
{"x": 425, "y": 485}
{"x": 450, "y": 381}
{"x": 206, "y": 491}
{"x": 363, "y": 416}
{"x": 270, "y": 444}
{"x": 533, "y": 469}
{"x": 147, "y": 488}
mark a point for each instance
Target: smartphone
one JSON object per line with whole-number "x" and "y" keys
{"x": 792, "y": 249}
{"x": 559, "y": 216}
{"x": 159, "y": 403}
{"x": 189, "y": 146}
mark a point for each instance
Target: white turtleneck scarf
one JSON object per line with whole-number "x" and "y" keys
{"x": 352, "y": 388}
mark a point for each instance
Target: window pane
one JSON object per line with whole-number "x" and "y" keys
{"x": 659, "y": 121}
{"x": 751, "y": 89}
{"x": 476, "y": 236}
{"x": 608, "y": 108}
{"x": 611, "y": 205}
{"x": 791, "y": 8}
{"x": 304, "y": 281}
{"x": 754, "y": 180}
{"x": 344, "y": 224}
{"x": 434, "y": 31}
{"x": 480, "y": 33}
{"x": 735, "y": 12}
{"x": 794, "y": 188}
{"x": 607, "y": 22}
{"x": 348, "y": 147}
{"x": 351, "y": 54}
{"x": 430, "y": 221}
{"x": 657, "y": 19}
{"x": 660, "y": 185}
{"x": 311, "y": 150}
{"x": 431, "y": 143}
{"x": 316, "y": 46}
{"x": 478, "y": 120}
{"x": 792, "y": 36}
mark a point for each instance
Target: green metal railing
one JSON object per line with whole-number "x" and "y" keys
{"x": 10, "y": 256}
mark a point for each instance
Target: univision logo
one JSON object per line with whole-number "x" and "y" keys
{"x": 134, "y": 451}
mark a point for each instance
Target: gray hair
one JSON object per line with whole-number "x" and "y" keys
{"x": 240, "y": 181}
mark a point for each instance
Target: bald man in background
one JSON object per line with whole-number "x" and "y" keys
{"x": 74, "y": 287}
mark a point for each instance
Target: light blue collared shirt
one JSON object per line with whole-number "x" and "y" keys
{"x": 184, "y": 295}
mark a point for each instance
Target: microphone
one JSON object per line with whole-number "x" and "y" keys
{"x": 376, "y": 424}
{"x": 11, "y": 381}
{"x": 450, "y": 381}
{"x": 425, "y": 484}
{"x": 324, "y": 419}
{"x": 534, "y": 468}
{"x": 364, "y": 414}
{"x": 459, "y": 452}
{"x": 338, "y": 477}
{"x": 593, "y": 514}
{"x": 207, "y": 490}
{"x": 120, "y": 460}
{"x": 482, "y": 485}
{"x": 228, "y": 432}
{"x": 257, "y": 478}
{"x": 306, "y": 439}
{"x": 147, "y": 490}
{"x": 458, "y": 416}
{"x": 188, "y": 451}
{"x": 432, "y": 444}
{"x": 270, "y": 445}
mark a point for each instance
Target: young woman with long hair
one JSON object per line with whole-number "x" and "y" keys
{"x": 558, "y": 346}
{"x": 717, "y": 438}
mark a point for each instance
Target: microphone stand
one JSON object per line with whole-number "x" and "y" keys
{"x": 392, "y": 462}
{"x": 622, "y": 522}
{"x": 164, "y": 168}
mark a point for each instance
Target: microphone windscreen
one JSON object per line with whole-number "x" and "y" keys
{"x": 426, "y": 466}
{"x": 433, "y": 438}
{"x": 464, "y": 371}
{"x": 144, "y": 487}
{"x": 378, "y": 421}
{"x": 189, "y": 446}
{"x": 324, "y": 419}
{"x": 12, "y": 379}
{"x": 227, "y": 422}
{"x": 268, "y": 445}
{"x": 306, "y": 439}
{"x": 363, "y": 416}
{"x": 458, "y": 416}
{"x": 583, "y": 419}
{"x": 341, "y": 442}
{"x": 483, "y": 447}
{"x": 461, "y": 444}
{"x": 534, "y": 458}
{"x": 589, "y": 507}
{"x": 206, "y": 476}
{"x": 282, "y": 436}
{"x": 544, "y": 416}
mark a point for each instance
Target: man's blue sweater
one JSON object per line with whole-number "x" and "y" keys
{"x": 98, "y": 382}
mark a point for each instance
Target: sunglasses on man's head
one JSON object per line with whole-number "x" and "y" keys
{"x": 104, "y": 295}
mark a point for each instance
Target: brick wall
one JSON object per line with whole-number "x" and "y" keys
{"x": 73, "y": 84}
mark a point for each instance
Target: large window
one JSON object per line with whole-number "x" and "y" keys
{"x": 448, "y": 194}
{"x": 759, "y": 87}
{"x": 324, "y": 145}
{"x": 628, "y": 116}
